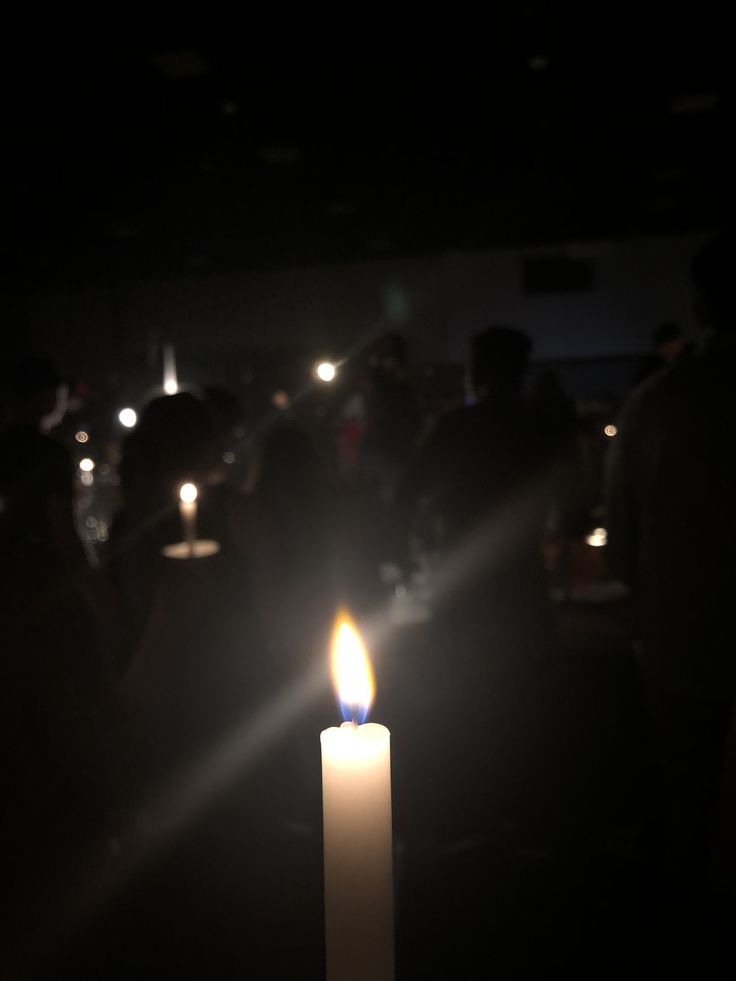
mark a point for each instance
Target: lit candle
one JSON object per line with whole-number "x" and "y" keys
{"x": 188, "y": 512}
{"x": 171, "y": 384}
{"x": 356, "y": 801}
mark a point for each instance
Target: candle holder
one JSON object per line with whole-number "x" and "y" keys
{"x": 192, "y": 547}
{"x": 200, "y": 548}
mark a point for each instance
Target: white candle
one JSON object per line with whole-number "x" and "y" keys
{"x": 358, "y": 851}
{"x": 188, "y": 513}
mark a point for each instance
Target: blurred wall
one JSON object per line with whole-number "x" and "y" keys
{"x": 437, "y": 301}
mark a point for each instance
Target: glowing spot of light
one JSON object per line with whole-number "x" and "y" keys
{"x": 188, "y": 493}
{"x": 228, "y": 457}
{"x": 86, "y": 465}
{"x": 326, "y": 371}
{"x": 128, "y": 417}
{"x": 81, "y": 436}
{"x": 171, "y": 384}
{"x": 610, "y": 430}
{"x": 597, "y": 538}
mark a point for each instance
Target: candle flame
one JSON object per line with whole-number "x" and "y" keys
{"x": 326, "y": 371}
{"x": 352, "y": 673}
{"x": 188, "y": 493}
{"x": 598, "y": 537}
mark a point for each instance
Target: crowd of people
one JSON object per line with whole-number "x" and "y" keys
{"x": 557, "y": 802}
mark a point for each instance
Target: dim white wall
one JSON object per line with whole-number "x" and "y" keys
{"x": 437, "y": 301}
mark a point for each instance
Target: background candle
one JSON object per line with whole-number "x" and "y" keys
{"x": 358, "y": 850}
{"x": 171, "y": 384}
{"x": 188, "y": 512}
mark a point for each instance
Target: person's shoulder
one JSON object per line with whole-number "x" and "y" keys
{"x": 680, "y": 375}
{"x": 668, "y": 387}
{"x": 653, "y": 385}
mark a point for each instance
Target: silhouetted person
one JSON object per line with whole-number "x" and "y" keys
{"x": 230, "y": 467}
{"x": 60, "y": 769}
{"x": 173, "y": 443}
{"x": 557, "y": 416}
{"x": 668, "y": 345}
{"x": 295, "y": 538}
{"x": 672, "y": 535}
{"x": 480, "y": 456}
{"x": 35, "y": 394}
{"x": 484, "y": 477}
{"x": 220, "y": 646}
{"x": 36, "y": 402}
{"x": 484, "y": 473}
{"x": 391, "y": 420}
{"x": 378, "y": 437}
{"x": 551, "y": 400}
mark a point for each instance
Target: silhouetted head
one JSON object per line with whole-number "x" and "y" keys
{"x": 175, "y": 440}
{"x": 499, "y": 360}
{"x": 36, "y": 392}
{"x": 713, "y": 275}
{"x": 668, "y": 341}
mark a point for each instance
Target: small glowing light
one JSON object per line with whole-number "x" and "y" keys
{"x": 281, "y": 399}
{"x": 170, "y": 379}
{"x": 81, "y": 436}
{"x": 188, "y": 493}
{"x": 228, "y": 457}
{"x": 102, "y": 531}
{"x": 597, "y": 538}
{"x": 128, "y": 418}
{"x": 352, "y": 673}
{"x": 86, "y": 465}
{"x": 610, "y": 430}
{"x": 87, "y": 479}
{"x": 326, "y": 371}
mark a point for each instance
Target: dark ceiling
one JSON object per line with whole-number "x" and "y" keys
{"x": 290, "y": 137}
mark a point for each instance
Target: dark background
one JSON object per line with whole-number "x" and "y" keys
{"x": 276, "y": 136}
